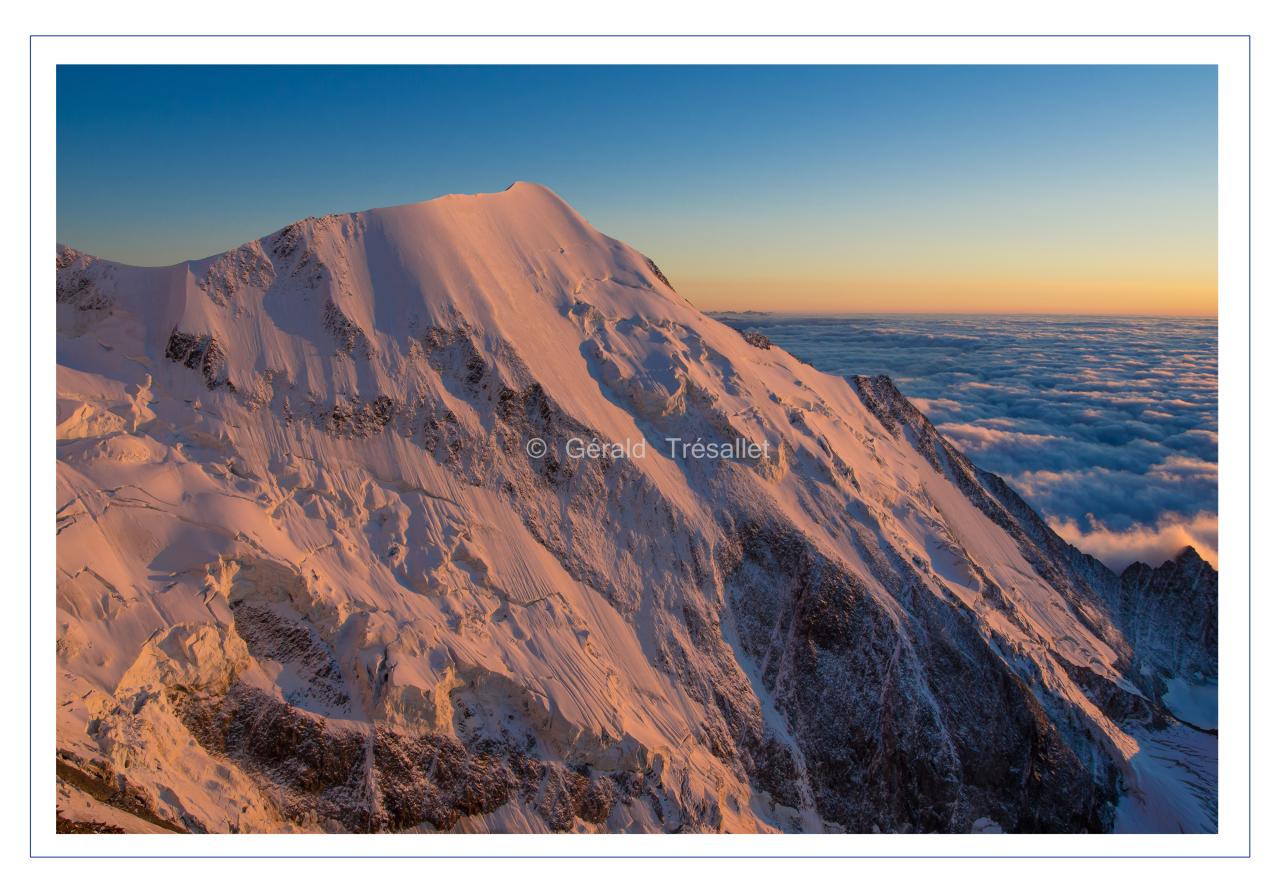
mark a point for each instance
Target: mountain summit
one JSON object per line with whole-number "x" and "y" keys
{"x": 334, "y": 553}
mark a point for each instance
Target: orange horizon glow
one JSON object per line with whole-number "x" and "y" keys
{"x": 912, "y": 296}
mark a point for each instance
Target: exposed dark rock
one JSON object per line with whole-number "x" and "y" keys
{"x": 202, "y": 353}
{"x": 70, "y": 826}
{"x": 358, "y": 418}
{"x": 113, "y": 789}
{"x": 311, "y": 769}
{"x": 1170, "y": 615}
{"x": 756, "y": 338}
{"x": 432, "y": 778}
{"x": 346, "y": 333}
{"x": 272, "y": 636}
{"x": 656, "y": 271}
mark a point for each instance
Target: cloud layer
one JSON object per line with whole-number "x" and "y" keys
{"x": 1109, "y": 426}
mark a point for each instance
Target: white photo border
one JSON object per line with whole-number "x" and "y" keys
{"x": 1230, "y": 54}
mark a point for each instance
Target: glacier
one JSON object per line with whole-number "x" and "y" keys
{"x": 310, "y": 578}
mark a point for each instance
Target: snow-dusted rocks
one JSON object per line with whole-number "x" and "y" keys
{"x": 313, "y": 575}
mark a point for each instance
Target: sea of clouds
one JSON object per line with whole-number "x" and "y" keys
{"x": 1108, "y": 426}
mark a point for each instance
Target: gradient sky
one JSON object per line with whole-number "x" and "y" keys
{"x": 814, "y": 189}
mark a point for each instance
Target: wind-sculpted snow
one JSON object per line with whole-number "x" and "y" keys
{"x": 314, "y": 573}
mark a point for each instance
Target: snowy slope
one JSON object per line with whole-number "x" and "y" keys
{"x": 310, "y": 579}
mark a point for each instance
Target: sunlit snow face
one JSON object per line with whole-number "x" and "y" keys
{"x": 1108, "y": 426}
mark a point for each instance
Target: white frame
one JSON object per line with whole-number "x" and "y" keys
{"x": 1230, "y": 54}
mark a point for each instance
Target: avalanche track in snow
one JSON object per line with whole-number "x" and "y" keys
{"x": 309, "y": 579}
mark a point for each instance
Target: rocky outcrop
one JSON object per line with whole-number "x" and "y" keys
{"x": 201, "y": 353}
{"x": 756, "y": 338}
{"x": 1170, "y": 615}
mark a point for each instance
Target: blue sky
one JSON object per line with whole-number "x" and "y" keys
{"x": 808, "y": 188}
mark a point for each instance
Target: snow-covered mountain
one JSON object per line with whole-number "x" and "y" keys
{"x": 310, "y": 577}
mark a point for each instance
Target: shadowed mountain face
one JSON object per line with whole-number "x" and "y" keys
{"x": 310, "y": 575}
